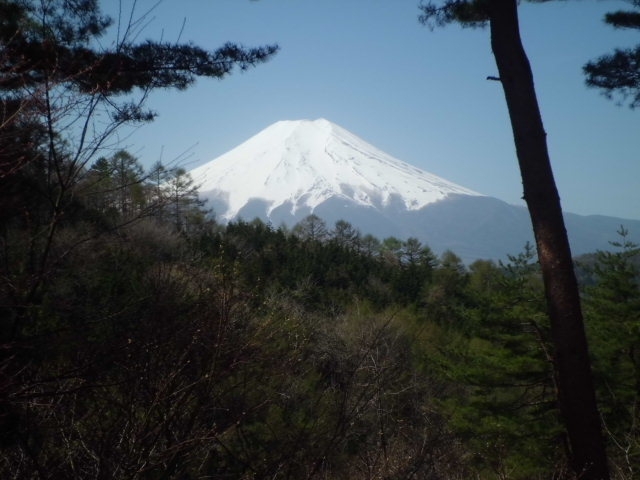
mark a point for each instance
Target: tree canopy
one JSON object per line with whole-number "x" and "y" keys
{"x": 54, "y": 76}
{"x": 141, "y": 339}
{"x": 618, "y": 74}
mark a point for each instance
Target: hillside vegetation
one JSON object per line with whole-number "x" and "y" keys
{"x": 158, "y": 344}
{"x": 141, "y": 340}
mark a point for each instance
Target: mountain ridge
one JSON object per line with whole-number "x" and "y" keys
{"x": 294, "y": 168}
{"x": 322, "y": 160}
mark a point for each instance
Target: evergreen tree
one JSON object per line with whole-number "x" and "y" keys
{"x": 576, "y": 393}
{"x": 54, "y": 77}
{"x": 444, "y": 297}
{"x": 63, "y": 98}
{"x": 619, "y": 73}
{"x": 612, "y": 306}
{"x": 71, "y": 290}
{"x": 415, "y": 270}
{"x": 500, "y": 358}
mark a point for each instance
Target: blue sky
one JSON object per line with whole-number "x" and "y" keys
{"x": 420, "y": 95}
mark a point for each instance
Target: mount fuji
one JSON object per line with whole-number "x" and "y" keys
{"x": 294, "y": 168}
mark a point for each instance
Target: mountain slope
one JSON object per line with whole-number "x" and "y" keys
{"x": 301, "y": 164}
{"x": 294, "y": 168}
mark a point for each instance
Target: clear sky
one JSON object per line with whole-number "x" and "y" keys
{"x": 419, "y": 95}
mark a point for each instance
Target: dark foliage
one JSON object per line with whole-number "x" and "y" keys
{"x": 139, "y": 339}
{"x": 617, "y": 75}
{"x": 575, "y": 392}
{"x": 469, "y": 13}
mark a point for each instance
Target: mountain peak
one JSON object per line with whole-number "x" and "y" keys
{"x": 303, "y": 163}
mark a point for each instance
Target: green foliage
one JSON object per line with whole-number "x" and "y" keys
{"x": 247, "y": 351}
{"x": 444, "y": 299}
{"x": 612, "y": 306}
{"x": 138, "y": 339}
{"x": 503, "y": 404}
{"x": 165, "y": 353}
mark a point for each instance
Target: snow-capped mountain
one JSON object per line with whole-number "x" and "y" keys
{"x": 294, "y": 168}
{"x": 302, "y": 164}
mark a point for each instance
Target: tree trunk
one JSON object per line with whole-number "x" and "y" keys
{"x": 576, "y": 396}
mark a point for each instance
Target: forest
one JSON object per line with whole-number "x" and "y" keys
{"x": 165, "y": 345}
{"x": 141, "y": 339}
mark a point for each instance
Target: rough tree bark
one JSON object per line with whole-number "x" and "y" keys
{"x": 576, "y": 397}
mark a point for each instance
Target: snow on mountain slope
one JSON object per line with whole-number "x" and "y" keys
{"x": 303, "y": 163}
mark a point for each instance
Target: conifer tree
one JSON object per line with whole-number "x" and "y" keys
{"x": 53, "y": 76}
{"x": 506, "y": 406}
{"x": 576, "y": 395}
{"x": 612, "y": 308}
{"x": 618, "y": 73}
{"x": 63, "y": 98}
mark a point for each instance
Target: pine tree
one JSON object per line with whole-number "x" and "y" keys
{"x": 62, "y": 100}
{"x": 618, "y": 74}
{"x": 504, "y": 405}
{"x": 612, "y": 307}
{"x": 576, "y": 394}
